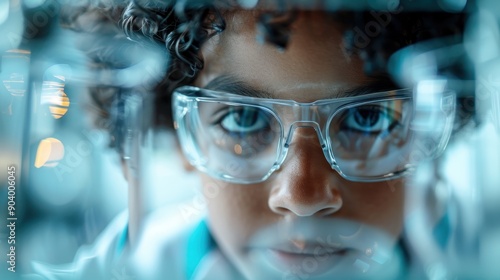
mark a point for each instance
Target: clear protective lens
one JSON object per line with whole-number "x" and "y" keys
{"x": 372, "y": 139}
{"x": 237, "y": 141}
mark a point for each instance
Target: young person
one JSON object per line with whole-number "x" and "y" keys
{"x": 300, "y": 137}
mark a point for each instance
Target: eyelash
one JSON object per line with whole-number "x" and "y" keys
{"x": 387, "y": 113}
{"x": 231, "y": 111}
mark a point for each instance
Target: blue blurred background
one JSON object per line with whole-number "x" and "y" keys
{"x": 69, "y": 183}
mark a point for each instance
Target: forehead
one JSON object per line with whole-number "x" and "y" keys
{"x": 313, "y": 64}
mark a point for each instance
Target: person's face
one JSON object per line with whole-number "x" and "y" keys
{"x": 305, "y": 220}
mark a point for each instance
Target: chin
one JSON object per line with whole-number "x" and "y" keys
{"x": 310, "y": 249}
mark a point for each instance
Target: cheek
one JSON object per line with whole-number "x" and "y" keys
{"x": 380, "y": 204}
{"x": 235, "y": 212}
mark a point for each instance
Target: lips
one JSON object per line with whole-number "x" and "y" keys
{"x": 310, "y": 257}
{"x": 301, "y": 247}
{"x": 314, "y": 247}
{"x": 324, "y": 258}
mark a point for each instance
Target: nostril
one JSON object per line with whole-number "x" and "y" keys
{"x": 282, "y": 210}
{"x": 304, "y": 211}
{"x": 326, "y": 211}
{"x": 320, "y": 207}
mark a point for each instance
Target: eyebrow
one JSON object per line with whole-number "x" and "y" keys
{"x": 230, "y": 84}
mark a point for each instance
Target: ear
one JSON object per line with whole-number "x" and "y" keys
{"x": 185, "y": 163}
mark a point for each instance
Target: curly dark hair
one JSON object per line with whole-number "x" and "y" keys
{"x": 179, "y": 29}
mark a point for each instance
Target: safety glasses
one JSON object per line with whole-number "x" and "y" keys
{"x": 365, "y": 138}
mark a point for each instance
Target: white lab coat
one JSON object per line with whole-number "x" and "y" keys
{"x": 161, "y": 253}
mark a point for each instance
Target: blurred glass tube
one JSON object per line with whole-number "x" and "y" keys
{"x": 453, "y": 226}
{"x": 11, "y": 24}
{"x": 484, "y": 37}
{"x": 482, "y": 43}
{"x": 470, "y": 171}
{"x": 496, "y": 109}
{"x": 137, "y": 150}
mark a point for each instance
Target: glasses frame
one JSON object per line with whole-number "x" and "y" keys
{"x": 185, "y": 99}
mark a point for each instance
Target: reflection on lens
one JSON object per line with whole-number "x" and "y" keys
{"x": 372, "y": 139}
{"x": 244, "y": 129}
{"x": 237, "y": 141}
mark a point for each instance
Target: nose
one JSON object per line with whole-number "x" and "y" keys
{"x": 305, "y": 185}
